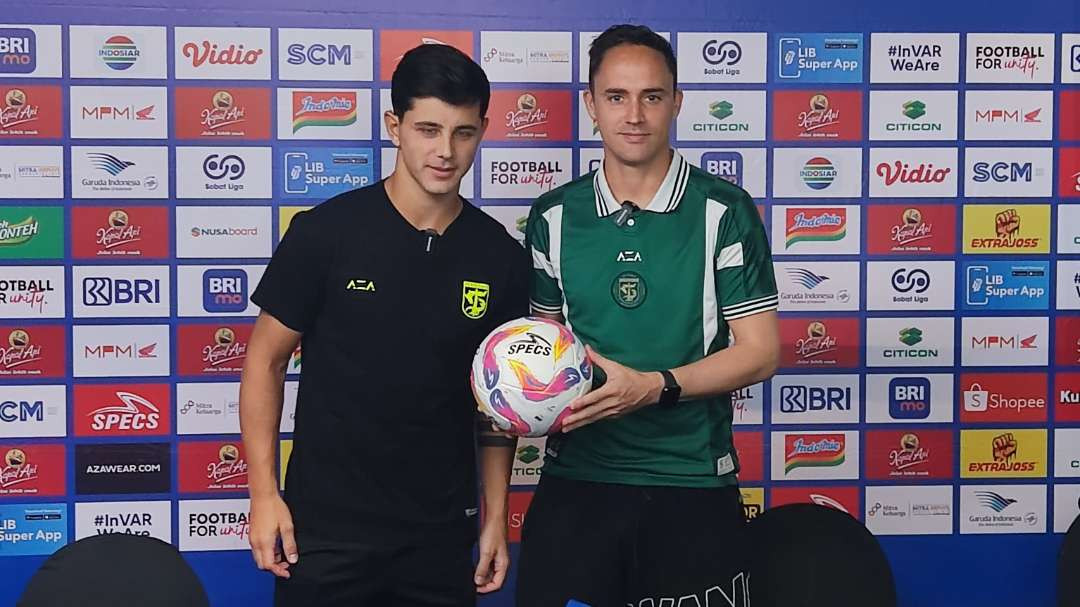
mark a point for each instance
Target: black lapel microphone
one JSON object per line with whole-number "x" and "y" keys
{"x": 431, "y": 236}
{"x": 627, "y": 209}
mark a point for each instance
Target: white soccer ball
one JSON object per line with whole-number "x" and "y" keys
{"x": 526, "y": 373}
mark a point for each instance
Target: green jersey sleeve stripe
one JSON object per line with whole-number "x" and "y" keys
{"x": 750, "y": 308}
{"x": 751, "y": 302}
{"x": 539, "y": 307}
{"x": 542, "y": 263}
{"x": 730, "y": 257}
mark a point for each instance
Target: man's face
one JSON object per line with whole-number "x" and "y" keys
{"x": 633, "y": 103}
{"x": 436, "y": 142}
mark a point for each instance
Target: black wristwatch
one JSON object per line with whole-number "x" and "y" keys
{"x": 669, "y": 396}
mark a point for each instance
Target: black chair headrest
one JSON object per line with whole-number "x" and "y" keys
{"x": 115, "y": 569}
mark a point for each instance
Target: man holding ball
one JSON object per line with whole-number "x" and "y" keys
{"x": 652, "y": 263}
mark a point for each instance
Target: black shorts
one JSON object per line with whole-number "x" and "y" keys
{"x": 427, "y": 570}
{"x": 608, "y": 545}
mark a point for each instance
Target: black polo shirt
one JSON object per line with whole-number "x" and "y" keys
{"x": 390, "y": 317}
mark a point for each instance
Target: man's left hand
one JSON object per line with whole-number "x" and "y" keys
{"x": 494, "y": 559}
{"x": 624, "y": 391}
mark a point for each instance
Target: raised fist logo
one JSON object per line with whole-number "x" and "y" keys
{"x": 1007, "y": 223}
{"x": 1004, "y": 447}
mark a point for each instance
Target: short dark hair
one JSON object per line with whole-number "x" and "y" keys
{"x": 629, "y": 34}
{"x": 440, "y": 71}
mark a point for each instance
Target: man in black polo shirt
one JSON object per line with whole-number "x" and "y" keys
{"x": 390, "y": 288}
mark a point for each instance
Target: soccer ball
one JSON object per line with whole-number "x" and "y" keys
{"x": 526, "y": 372}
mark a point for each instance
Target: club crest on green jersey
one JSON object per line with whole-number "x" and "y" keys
{"x": 629, "y": 289}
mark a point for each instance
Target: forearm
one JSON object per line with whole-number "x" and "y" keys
{"x": 496, "y": 463}
{"x": 729, "y": 369}
{"x": 261, "y": 395}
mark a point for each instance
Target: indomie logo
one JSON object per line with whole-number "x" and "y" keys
{"x": 310, "y": 108}
{"x": 818, "y": 225}
{"x": 814, "y": 450}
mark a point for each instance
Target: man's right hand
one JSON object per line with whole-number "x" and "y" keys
{"x": 270, "y": 519}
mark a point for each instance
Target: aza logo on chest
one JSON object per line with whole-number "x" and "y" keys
{"x": 360, "y": 284}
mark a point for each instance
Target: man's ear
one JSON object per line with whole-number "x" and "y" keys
{"x": 393, "y": 126}
{"x": 590, "y": 104}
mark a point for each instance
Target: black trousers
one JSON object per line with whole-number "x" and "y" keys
{"x": 607, "y": 545}
{"x": 425, "y": 570}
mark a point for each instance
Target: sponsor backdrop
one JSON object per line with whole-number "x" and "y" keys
{"x": 918, "y": 173}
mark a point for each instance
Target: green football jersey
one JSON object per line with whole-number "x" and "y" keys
{"x": 655, "y": 293}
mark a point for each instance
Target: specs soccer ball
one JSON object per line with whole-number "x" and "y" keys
{"x": 526, "y": 373}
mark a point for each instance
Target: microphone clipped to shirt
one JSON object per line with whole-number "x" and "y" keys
{"x": 625, "y": 211}
{"x": 431, "y": 236}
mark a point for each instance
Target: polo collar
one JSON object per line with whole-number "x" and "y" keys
{"x": 667, "y": 197}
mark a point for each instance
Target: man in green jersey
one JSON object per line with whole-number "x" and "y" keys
{"x": 655, "y": 265}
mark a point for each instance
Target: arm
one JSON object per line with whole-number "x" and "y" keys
{"x": 496, "y": 462}
{"x": 752, "y": 358}
{"x": 261, "y": 386}
{"x": 497, "y": 449}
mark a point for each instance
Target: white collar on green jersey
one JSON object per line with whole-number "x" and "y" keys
{"x": 667, "y": 198}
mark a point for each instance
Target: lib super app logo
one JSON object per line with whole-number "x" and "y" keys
{"x": 322, "y": 173}
{"x": 820, "y": 58}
